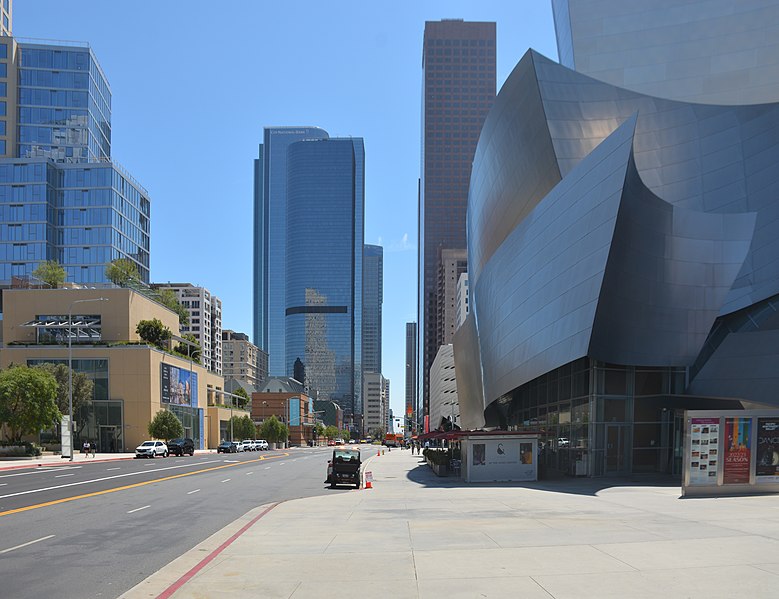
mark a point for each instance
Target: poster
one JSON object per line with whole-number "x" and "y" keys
{"x": 479, "y": 454}
{"x": 767, "y": 463}
{"x": 738, "y": 433}
{"x": 704, "y": 451}
{"x": 526, "y": 453}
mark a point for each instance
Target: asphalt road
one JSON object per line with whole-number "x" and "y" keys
{"x": 96, "y": 530}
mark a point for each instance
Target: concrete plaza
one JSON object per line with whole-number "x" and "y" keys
{"x": 416, "y": 535}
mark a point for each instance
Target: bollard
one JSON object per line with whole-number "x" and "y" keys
{"x": 382, "y": 452}
{"x": 378, "y": 453}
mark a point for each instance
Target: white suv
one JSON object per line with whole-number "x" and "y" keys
{"x": 262, "y": 444}
{"x": 248, "y": 445}
{"x": 151, "y": 449}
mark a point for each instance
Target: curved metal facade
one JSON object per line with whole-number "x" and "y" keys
{"x": 613, "y": 225}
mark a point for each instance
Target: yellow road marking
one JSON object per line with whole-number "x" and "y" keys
{"x": 133, "y": 486}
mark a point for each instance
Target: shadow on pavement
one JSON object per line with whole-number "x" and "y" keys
{"x": 554, "y": 482}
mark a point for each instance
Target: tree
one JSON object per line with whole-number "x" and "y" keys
{"x": 50, "y": 272}
{"x": 319, "y": 430}
{"x": 153, "y": 331}
{"x": 274, "y": 430}
{"x": 83, "y": 388}
{"x": 331, "y": 432}
{"x": 243, "y": 428}
{"x": 345, "y": 434}
{"x": 27, "y": 401}
{"x": 167, "y": 298}
{"x": 122, "y": 272}
{"x": 166, "y": 425}
{"x": 189, "y": 351}
{"x": 243, "y": 398}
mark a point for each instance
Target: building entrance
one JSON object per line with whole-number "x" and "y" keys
{"x": 618, "y": 449}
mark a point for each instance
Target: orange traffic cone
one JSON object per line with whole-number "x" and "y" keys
{"x": 368, "y": 484}
{"x": 378, "y": 453}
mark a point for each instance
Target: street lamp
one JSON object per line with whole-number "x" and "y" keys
{"x": 70, "y": 363}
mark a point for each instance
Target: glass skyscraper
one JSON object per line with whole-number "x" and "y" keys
{"x": 324, "y": 260}
{"x": 270, "y": 240}
{"x": 373, "y": 296}
{"x": 61, "y": 196}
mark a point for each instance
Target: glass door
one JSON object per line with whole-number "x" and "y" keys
{"x": 617, "y": 449}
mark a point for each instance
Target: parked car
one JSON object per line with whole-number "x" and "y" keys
{"x": 151, "y": 449}
{"x": 238, "y": 445}
{"x": 226, "y": 447}
{"x": 247, "y": 444}
{"x": 181, "y": 446}
{"x": 263, "y": 445}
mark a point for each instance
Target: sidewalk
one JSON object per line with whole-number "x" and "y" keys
{"x": 415, "y": 535}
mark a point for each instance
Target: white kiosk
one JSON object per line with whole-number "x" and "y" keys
{"x": 501, "y": 457}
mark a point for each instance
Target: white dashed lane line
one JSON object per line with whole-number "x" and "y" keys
{"x": 138, "y": 509}
{"x": 191, "y": 492}
{"x": 61, "y": 475}
{"x": 113, "y": 468}
{"x": 28, "y": 543}
{"x": 227, "y": 480}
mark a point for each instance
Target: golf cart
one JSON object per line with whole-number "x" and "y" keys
{"x": 344, "y": 468}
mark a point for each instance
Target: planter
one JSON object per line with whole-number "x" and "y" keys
{"x": 440, "y": 469}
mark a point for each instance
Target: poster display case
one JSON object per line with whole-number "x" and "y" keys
{"x": 731, "y": 451}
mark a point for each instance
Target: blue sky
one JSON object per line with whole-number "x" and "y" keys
{"x": 195, "y": 82}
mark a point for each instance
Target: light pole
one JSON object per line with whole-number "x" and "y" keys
{"x": 70, "y": 363}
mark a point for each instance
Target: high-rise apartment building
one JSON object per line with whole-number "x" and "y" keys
{"x": 322, "y": 312}
{"x": 6, "y": 17}
{"x": 412, "y": 407}
{"x": 270, "y": 240}
{"x": 451, "y": 265}
{"x": 458, "y": 62}
{"x": 462, "y": 303}
{"x": 242, "y": 360}
{"x": 375, "y": 402}
{"x": 63, "y": 197}
{"x": 205, "y": 320}
{"x": 372, "y": 298}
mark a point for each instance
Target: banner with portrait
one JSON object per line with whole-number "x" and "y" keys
{"x": 767, "y": 462}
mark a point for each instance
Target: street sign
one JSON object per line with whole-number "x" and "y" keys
{"x": 369, "y": 476}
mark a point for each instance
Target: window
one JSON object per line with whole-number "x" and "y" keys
{"x": 3, "y": 69}
{"x": 3, "y": 106}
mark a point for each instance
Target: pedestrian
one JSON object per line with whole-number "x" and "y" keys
{"x": 85, "y": 449}
{"x": 93, "y": 447}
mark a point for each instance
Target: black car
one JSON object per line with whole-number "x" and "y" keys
{"x": 226, "y": 447}
{"x": 344, "y": 468}
{"x": 181, "y": 446}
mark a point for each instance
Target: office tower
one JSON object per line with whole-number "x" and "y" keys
{"x": 412, "y": 409}
{"x": 270, "y": 240}
{"x": 63, "y": 197}
{"x": 373, "y": 295}
{"x": 324, "y": 275}
{"x": 710, "y": 51}
{"x": 458, "y": 65}
{"x": 205, "y": 320}
{"x": 241, "y": 359}
{"x": 451, "y": 265}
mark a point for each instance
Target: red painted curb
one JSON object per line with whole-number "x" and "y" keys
{"x": 167, "y": 593}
